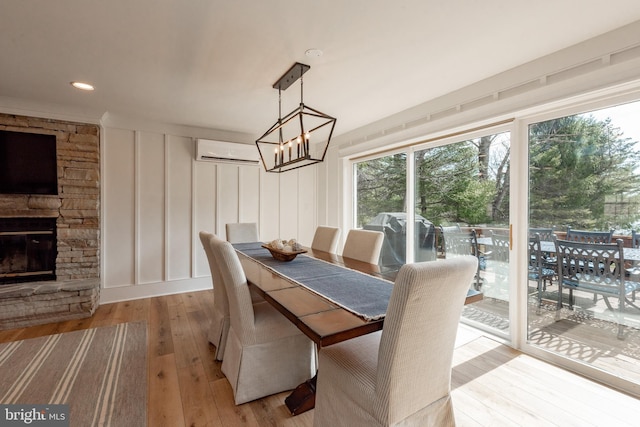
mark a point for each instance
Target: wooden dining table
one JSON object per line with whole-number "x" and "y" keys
{"x": 323, "y": 321}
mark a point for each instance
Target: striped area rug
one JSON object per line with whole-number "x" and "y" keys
{"x": 100, "y": 373}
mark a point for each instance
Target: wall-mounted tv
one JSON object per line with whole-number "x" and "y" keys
{"x": 28, "y": 163}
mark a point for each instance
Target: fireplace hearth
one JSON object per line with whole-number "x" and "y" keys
{"x": 28, "y": 250}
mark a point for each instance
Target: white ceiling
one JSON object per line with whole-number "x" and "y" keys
{"x": 212, "y": 63}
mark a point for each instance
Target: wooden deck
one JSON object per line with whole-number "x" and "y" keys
{"x": 492, "y": 384}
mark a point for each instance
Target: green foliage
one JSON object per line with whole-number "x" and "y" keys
{"x": 581, "y": 172}
{"x": 472, "y": 203}
{"x": 381, "y": 186}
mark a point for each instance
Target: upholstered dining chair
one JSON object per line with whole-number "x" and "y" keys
{"x": 220, "y": 317}
{"x": 363, "y": 245}
{"x": 326, "y": 239}
{"x": 400, "y": 376}
{"x": 242, "y": 232}
{"x": 265, "y": 353}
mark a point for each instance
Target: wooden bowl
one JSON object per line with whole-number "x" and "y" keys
{"x": 282, "y": 255}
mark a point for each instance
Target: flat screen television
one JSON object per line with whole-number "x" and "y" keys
{"x": 28, "y": 163}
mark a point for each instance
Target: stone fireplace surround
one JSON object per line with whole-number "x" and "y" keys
{"x": 75, "y": 293}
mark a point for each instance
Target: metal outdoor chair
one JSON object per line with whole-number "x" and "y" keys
{"x": 597, "y": 268}
{"x": 633, "y": 271}
{"x": 498, "y": 264}
{"x": 589, "y": 236}
{"x": 463, "y": 243}
{"x": 537, "y": 270}
{"x": 549, "y": 260}
{"x": 544, "y": 233}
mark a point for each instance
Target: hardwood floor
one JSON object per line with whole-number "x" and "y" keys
{"x": 492, "y": 384}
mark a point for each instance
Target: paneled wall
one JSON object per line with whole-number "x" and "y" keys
{"x": 157, "y": 198}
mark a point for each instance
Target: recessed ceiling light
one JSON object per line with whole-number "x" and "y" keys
{"x": 82, "y": 86}
{"x": 313, "y": 53}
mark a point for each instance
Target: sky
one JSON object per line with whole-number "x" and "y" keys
{"x": 625, "y": 116}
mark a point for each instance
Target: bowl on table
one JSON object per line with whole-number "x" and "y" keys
{"x": 281, "y": 254}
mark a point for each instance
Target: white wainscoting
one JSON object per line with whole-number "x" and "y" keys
{"x": 156, "y": 199}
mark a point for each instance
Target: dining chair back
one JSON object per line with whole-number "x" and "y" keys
{"x": 265, "y": 353}
{"x": 242, "y": 232}
{"x": 326, "y": 239}
{"x": 219, "y": 328}
{"x": 363, "y": 245}
{"x": 401, "y": 375}
{"x": 589, "y": 236}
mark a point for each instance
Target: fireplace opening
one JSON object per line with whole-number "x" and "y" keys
{"x": 28, "y": 249}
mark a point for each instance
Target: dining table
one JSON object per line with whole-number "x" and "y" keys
{"x": 548, "y": 246}
{"x": 330, "y": 298}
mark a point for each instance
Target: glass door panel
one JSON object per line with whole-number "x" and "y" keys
{"x": 461, "y": 199}
{"x": 584, "y": 174}
{"x": 381, "y": 204}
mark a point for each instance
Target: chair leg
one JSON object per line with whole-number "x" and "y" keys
{"x": 606, "y": 300}
{"x": 620, "y": 316}
{"x": 571, "y": 298}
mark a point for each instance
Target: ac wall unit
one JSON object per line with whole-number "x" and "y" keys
{"x": 226, "y": 152}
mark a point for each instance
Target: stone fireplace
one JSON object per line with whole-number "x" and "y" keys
{"x": 75, "y": 217}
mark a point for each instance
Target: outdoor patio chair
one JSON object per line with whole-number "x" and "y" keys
{"x": 597, "y": 268}
{"x": 589, "y": 236}
{"x": 549, "y": 260}
{"x": 544, "y": 233}
{"x": 537, "y": 271}
{"x": 457, "y": 244}
{"x": 500, "y": 246}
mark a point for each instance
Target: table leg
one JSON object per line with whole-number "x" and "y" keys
{"x": 303, "y": 397}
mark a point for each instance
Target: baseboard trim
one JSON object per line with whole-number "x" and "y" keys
{"x": 149, "y": 290}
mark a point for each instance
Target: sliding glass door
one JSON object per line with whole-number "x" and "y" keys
{"x": 579, "y": 171}
{"x": 459, "y": 193}
{"x": 584, "y": 174}
{"x": 461, "y": 190}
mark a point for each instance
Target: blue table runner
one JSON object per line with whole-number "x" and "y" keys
{"x": 362, "y": 294}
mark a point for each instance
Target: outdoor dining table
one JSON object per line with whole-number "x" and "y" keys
{"x": 330, "y": 298}
{"x": 630, "y": 254}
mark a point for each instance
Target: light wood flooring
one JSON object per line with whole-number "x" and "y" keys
{"x": 492, "y": 384}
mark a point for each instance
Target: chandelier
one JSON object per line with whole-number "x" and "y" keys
{"x": 300, "y": 138}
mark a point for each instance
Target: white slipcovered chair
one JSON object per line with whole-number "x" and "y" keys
{"x": 400, "y": 376}
{"x": 265, "y": 353}
{"x": 326, "y": 239}
{"x": 242, "y": 232}
{"x": 363, "y": 245}
{"x": 220, "y": 318}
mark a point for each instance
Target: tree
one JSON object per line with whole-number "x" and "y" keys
{"x": 577, "y": 165}
{"x": 381, "y": 186}
{"x": 445, "y": 176}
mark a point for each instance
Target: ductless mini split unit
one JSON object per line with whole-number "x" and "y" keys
{"x": 208, "y": 150}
